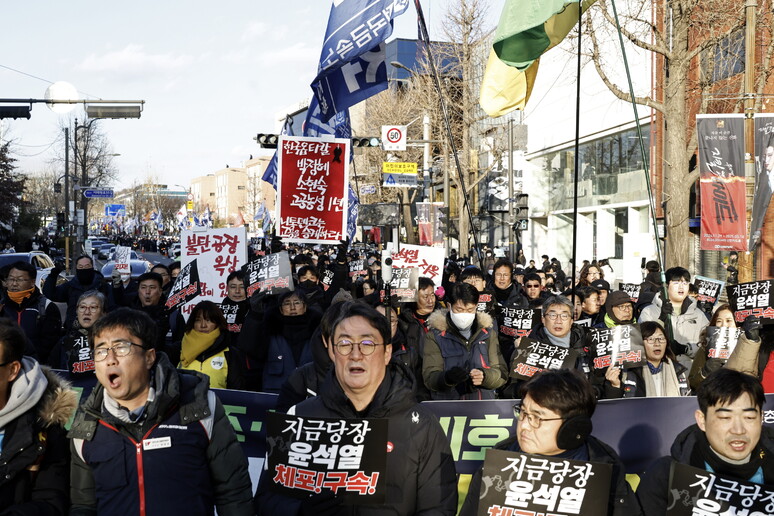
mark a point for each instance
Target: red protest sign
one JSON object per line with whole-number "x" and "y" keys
{"x": 313, "y": 176}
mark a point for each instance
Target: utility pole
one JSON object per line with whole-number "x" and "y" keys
{"x": 67, "y": 199}
{"x": 511, "y": 229}
{"x": 745, "y": 263}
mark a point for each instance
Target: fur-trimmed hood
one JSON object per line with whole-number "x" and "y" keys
{"x": 438, "y": 320}
{"x": 58, "y": 402}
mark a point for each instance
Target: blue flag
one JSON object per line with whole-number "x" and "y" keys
{"x": 270, "y": 174}
{"x": 352, "y": 66}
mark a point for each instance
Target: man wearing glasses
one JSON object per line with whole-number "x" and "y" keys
{"x": 686, "y": 319}
{"x": 533, "y": 288}
{"x": 507, "y": 295}
{"x": 420, "y": 474}
{"x": 554, "y": 419}
{"x": 151, "y": 438}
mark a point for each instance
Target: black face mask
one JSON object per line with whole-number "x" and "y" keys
{"x": 308, "y": 285}
{"x": 85, "y": 276}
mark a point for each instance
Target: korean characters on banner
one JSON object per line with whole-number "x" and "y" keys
{"x": 186, "y": 286}
{"x": 218, "y": 252}
{"x": 633, "y": 289}
{"x": 309, "y": 455}
{"x": 404, "y": 284}
{"x": 721, "y": 341}
{"x": 327, "y": 279}
{"x": 723, "y": 189}
{"x": 517, "y": 484}
{"x": 619, "y": 346}
{"x": 702, "y": 492}
{"x": 531, "y": 357}
{"x": 357, "y": 268}
{"x": 518, "y": 322}
{"x": 122, "y": 264}
{"x": 709, "y": 289}
{"x": 312, "y": 189}
{"x": 270, "y": 274}
{"x": 752, "y": 298}
{"x": 429, "y": 260}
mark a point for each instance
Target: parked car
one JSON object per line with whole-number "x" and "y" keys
{"x": 42, "y": 262}
{"x": 175, "y": 253}
{"x": 137, "y": 265}
{"x": 105, "y": 250}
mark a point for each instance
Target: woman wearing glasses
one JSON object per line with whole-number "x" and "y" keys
{"x": 73, "y": 351}
{"x": 661, "y": 375}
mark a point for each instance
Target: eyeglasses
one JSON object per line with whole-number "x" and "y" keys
{"x": 532, "y": 286}
{"x": 533, "y": 420}
{"x": 366, "y": 347}
{"x": 17, "y": 279}
{"x": 658, "y": 340}
{"x": 627, "y": 307}
{"x": 85, "y": 309}
{"x": 564, "y": 316}
{"x": 9, "y": 362}
{"x": 122, "y": 349}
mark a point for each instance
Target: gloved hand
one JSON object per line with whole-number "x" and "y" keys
{"x": 680, "y": 349}
{"x": 323, "y": 504}
{"x": 276, "y": 245}
{"x": 752, "y": 327}
{"x": 455, "y": 375}
{"x": 666, "y": 310}
{"x": 711, "y": 365}
{"x": 341, "y": 255}
{"x": 59, "y": 265}
{"x": 115, "y": 277}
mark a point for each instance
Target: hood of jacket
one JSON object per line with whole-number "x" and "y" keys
{"x": 439, "y": 320}
{"x": 38, "y": 387}
{"x": 393, "y": 395}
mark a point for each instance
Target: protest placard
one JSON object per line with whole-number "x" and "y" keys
{"x": 429, "y": 260}
{"x": 518, "y": 322}
{"x": 521, "y": 484}
{"x": 633, "y": 289}
{"x": 123, "y": 255}
{"x": 218, "y": 252}
{"x": 753, "y": 298}
{"x": 270, "y": 274}
{"x": 721, "y": 341}
{"x": 309, "y": 455}
{"x": 404, "y": 284}
{"x": 357, "y": 268}
{"x": 532, "y": 356}
{"x": 327, "y": 279}
{"x": 186, "y": 287}
{"x": 708, "y": 289}
{"x": 620, "y": 346}
{"x": 694, "y": 491}
{"x": 312, "y": 188}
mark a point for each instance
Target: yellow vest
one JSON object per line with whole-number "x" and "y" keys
{"x": 216, "y": 367}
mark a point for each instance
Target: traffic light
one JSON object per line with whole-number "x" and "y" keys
{"x": 60, "y": 221}
{"x": 267, "y": 141}
{"x": 57, "y": 187}
{"x": 366, "y": 142}
{"x": 15, "y": 112}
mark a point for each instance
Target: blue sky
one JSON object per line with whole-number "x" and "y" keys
{"x": 212, "y": 74}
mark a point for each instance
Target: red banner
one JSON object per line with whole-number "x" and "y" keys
{"x": 721, "y": 164}
{"x": 312, "y": 189}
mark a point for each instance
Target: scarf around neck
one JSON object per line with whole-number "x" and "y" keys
{"x": 195, "y": 343}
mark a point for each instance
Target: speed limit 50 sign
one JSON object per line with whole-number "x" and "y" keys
{"x": 394, "y": 137}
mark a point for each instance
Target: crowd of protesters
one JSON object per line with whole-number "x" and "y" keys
{"x": 154, "y": 367}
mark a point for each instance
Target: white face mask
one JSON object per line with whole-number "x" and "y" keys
{"x": 462, "y": 321}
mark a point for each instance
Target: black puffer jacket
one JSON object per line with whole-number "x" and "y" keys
{"x": 35, "y": 458}
{"x": 420, "y": 475}
{"x": 622, "y": 500}
{"x": 653, "y": 490}
{"x": 305, "y": 381}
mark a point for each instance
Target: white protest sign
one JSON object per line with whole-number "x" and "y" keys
{"x": 219, "y": 252}
{"x": 429, "y": 260}
{"x": 122, "y": 265}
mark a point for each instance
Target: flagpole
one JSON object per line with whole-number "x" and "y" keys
{"x": 576, "y": 159}
{"x": 444, "y": 110}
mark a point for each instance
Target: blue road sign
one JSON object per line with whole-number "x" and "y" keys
{"x": 104, "y": 193}
{"x": 115, "y": 210}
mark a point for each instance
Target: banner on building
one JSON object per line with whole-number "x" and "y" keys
{"x": 518, "y": 483}
{"x": 312, "y": 189}
{"x": 271, "y": 274}
{"x": 694, "y": 491}
{"x": 532, "y": 356}
{"x": 186, "y": 287}
{"x": 721, "y": 165}
{"x": 764, "y": 173}
{"x": 429, "y": 223}
{"x": 620, "y": 346}
{"x": 218, "y": 252}
{"x": 753, "y": 298}
{"x": 708, "y": 289}
{"x": 429, "y": 260}
{"x": 312, "y": 455}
